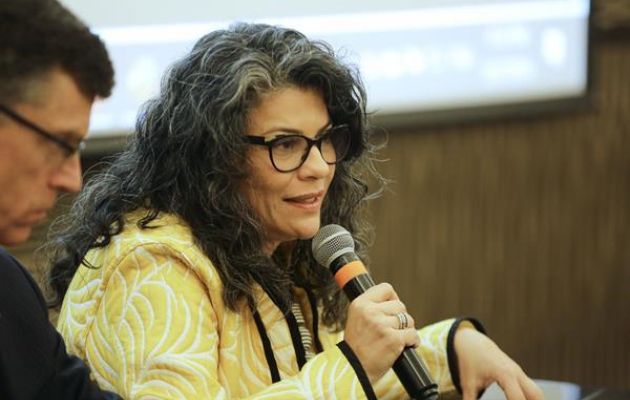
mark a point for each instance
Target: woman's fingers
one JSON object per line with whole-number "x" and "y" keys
{"x": 381, "y": 302}
{"x": 402, "y": 320}
{"x": 517, "y": 385}
{"x": 396, "y": 313}
{"x": 514, "y": 389}
{"x": 400, "y": 338}
{"x": 378, "y": 328}
{"x": 482, "y": 362}
{"x": 410, "y": 337}
{"x": 511, "y": 388}
{"x": 469, "y": 392}
{"x": 531, "y": 390}
{"x": 380, "y": 293}
{"x": 392, "y": 307}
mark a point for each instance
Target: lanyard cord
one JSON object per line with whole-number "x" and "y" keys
{"x": 264, "y": 338}
{"x": 300, "y": 343}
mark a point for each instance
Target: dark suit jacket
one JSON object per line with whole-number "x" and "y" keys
{"x": 33, "y": 359}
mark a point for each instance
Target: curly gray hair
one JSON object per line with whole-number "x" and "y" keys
{"x": 188, "y": 158}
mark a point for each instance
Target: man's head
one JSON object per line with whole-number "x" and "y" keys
{"x": 51, "y": 70}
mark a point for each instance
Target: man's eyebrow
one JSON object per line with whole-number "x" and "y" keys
{"x": 69, "y": 136}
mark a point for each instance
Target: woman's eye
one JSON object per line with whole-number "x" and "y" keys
{"x": 287, "y": 144}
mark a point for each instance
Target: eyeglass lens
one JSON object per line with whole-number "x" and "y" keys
{"x": 290, "y": 152}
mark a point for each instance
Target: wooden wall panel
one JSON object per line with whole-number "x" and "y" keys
{"x": 524, "y": 224}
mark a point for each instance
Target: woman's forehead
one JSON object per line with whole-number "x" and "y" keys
{"x": 289, "y": 108}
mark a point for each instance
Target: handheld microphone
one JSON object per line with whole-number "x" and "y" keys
{"x": 333, "y": 247}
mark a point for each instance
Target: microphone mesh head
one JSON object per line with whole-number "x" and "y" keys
{"x": 331, "y": 242}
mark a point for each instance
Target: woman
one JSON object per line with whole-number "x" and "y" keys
{"x": 188, "y": 260}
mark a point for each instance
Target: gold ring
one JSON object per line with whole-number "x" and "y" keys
{"x": 403, "y": 321}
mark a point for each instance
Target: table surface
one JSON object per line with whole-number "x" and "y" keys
{"x": 564, "y": 391}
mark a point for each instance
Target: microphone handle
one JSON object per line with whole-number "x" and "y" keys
{"x": 409, "y": 368}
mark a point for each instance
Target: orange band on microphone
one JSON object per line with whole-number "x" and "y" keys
{"x": 348, "y": 272}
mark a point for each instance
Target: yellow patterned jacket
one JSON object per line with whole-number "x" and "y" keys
{"x": 151, "y": 323}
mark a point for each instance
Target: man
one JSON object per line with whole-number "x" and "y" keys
{"x": 51, "y": 70}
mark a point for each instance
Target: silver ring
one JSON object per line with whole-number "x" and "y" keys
{"x": 403, "y": 321}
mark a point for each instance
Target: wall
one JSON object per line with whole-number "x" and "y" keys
{"x": 524, "y": 224}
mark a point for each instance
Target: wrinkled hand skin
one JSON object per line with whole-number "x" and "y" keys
{"x": 482, "y": 362}
{"x": 372, "y": 330}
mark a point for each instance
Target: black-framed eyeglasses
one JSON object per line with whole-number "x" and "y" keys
{"x": 288, "y": 152}
{"x": 67, "y": 148}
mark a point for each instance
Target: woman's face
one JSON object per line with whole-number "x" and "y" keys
{"x": 288, "y": 203}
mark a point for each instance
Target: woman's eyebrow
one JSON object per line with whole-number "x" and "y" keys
{"x": 286, "y": 129}
{"x": 324, "y": 130}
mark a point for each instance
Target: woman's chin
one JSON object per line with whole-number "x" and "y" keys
{"x": 308, "y": 231}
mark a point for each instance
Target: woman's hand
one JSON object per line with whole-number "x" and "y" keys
{"x": 372, "y": 330}
{"x": 481, "y": 363}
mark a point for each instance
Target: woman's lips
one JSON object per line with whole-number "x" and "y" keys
{"x": 307, "y": 201}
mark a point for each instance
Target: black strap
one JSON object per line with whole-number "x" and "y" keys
{"x": 296, "y": 338}
{"x": 271, "y": 359}
{"x": 315, "y": 314}
{"x": 358, "y": 369}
